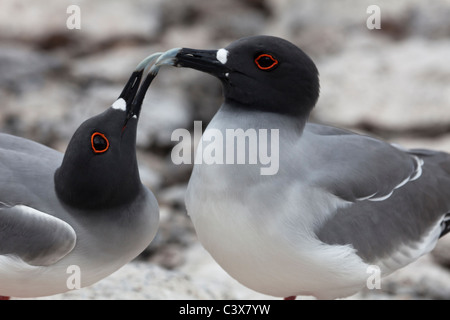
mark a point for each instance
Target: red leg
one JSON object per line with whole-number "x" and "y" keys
{"x": 4, "y": 298}
{"x": 290, "y": 298}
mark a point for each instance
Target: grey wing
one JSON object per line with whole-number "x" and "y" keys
{"x": 356, "y": 167}
{"x": 397, "y": 202}
{"x": 325, "y": 130}
{"x": 37, "y": 238}
{"x": 26, "y": 173}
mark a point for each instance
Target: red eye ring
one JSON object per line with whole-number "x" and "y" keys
{"x": 96, "y": 147}
{"x": 265, "y": 55}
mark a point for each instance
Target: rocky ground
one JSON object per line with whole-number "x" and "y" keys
{"x": 392, "y": 83}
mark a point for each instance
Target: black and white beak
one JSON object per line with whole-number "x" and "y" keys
{"x": 133, "y": 94}
{"x": 209, "y": 61}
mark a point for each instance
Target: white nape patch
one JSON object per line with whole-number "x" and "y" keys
{"x": 119, "y": 104}
{"x": 222, "y": 55}
{"x": 227, "y": 74}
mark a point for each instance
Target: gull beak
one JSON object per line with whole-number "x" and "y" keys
{"x": 201, "y": 60}
{"x": 168, "y": 58}
{"x": 134, "y": 91}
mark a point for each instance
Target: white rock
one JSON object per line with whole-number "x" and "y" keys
{"x": 390, "y": 85}
{"x": 138, "y": 281}
{"x": 99, "y": 20}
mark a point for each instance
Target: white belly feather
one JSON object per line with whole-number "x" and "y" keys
{"x": 260, "y": 238}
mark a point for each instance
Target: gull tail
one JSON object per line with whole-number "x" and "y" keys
{"x": 445, "y": 225}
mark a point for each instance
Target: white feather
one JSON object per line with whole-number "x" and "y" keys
{"x": 119, "y": 104}
{"x": 410, "y": 252}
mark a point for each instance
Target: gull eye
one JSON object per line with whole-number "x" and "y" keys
{"x": 99, "y": 142}
{"x": 266, "y": 61}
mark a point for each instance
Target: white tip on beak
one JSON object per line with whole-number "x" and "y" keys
{"x": 168, "y": 57}
{"x": 147, "y": 61}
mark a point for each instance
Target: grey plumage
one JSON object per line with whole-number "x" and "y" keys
{"x": 339, "y": 203}
{"x": 377, "y": 228}
{"x": 85, "y": 208}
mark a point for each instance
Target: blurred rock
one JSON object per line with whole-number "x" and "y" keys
{"x": 389, "y": 85}
{"x": 224, "y": 20}
{"x": 100, "y": 20}
{"x": 441, "y": 143}
{"x": 151, "y": 170}
{"x": 404, "y": 18}
{"x": 174, "y": 174}
{"x": 164, "y": 110}
{"x": 90, "y": 99}
{"x": 422, "y": 279}
{"x": 175, "y": 235}
{"x": 110, "y": 65}
{"x": 441, "y": 253}
{"x": 205, "y": 96}
{"x": 175, "y": 227}
{"x": 169, "y": 256}
{"x": 39, "y": 114}
{"x": 22, "y": 69}
{"x": 145, "y": 281}
{"x": 430, "y": 20}
{"x": 174, "y": 196}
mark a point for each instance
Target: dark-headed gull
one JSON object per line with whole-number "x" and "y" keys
{"x": 338, "y": 205}
{"x": 69, "y": 220}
